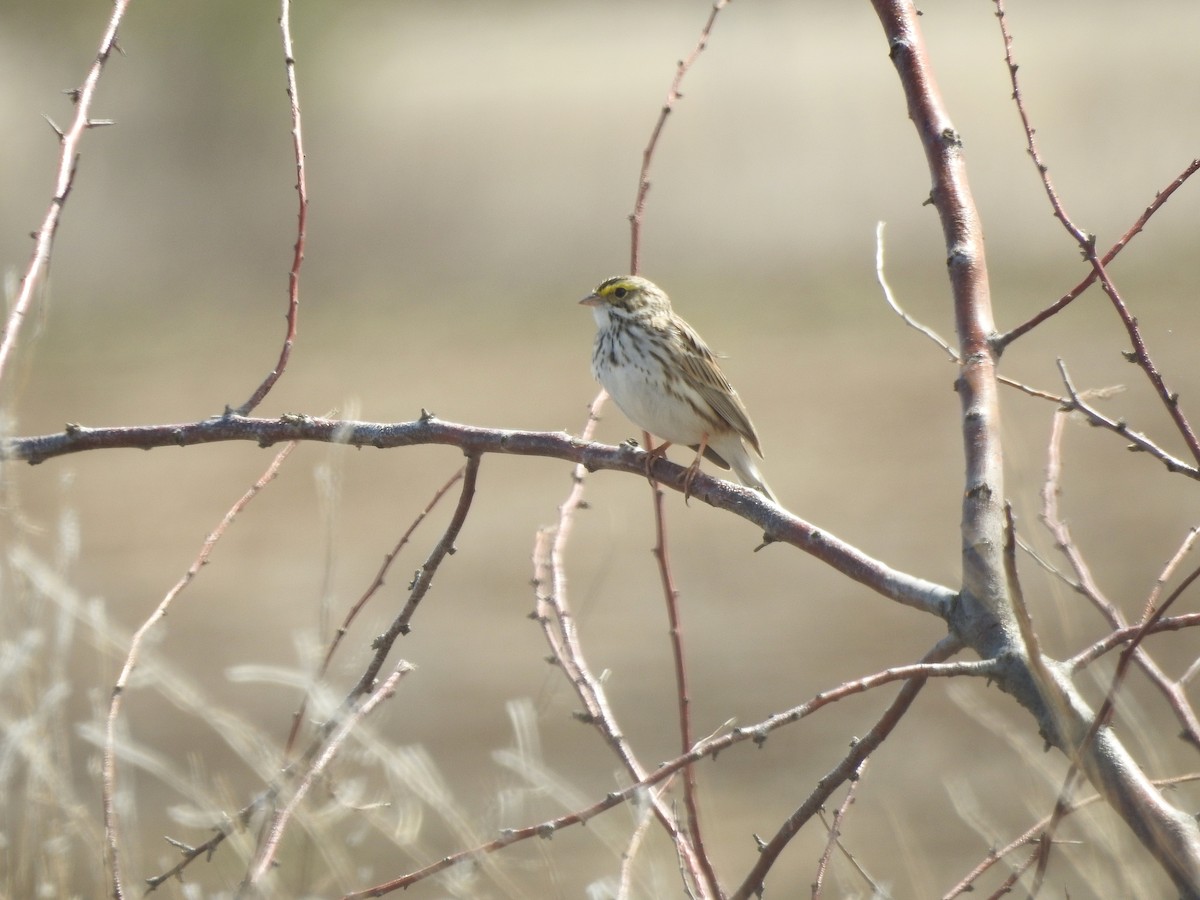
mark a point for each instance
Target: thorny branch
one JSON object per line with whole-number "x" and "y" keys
{"x": 712, "y": 746}
{"x": 68, "y": 162}
{"x": 783, "y": 526}
{"x": 293, "y": 312}
{"x": 1087, "y": 243}
{"x": 673, "y": 94}
{"x": 109, "y": 764}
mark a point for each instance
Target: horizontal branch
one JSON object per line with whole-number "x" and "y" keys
{"x": 780, "y": 525}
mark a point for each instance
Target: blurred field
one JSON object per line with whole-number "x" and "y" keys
{"x": 471, "y": 167}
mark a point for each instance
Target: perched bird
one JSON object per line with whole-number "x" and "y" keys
{"x": 664, "y": 378}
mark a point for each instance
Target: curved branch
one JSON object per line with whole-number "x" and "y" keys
{"x": 780, "y": 524}
{"x": 293, "y": 311}
{"x": 68, "y": 160}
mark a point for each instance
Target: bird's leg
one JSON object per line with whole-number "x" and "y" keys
{"x": 694, "y": 467}
{"x": 653, "y": 453}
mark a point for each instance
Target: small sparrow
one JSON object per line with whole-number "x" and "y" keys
{"x": 664, "y": 378}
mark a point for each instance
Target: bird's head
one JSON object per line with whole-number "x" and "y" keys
{"x": 629, "y": 295}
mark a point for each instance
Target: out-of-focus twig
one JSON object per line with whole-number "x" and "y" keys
{"x": 68, "y": 163}
{"x": 109, "y": 764}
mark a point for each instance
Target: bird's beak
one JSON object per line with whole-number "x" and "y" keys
{"x": 592, "y": 299}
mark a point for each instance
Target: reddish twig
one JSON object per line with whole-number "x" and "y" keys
{"x": 643, "y": 188}
{"x": 371, "y": 590}
{"x": 921, "y": 328}
{"x": 1120, "y": 636}
{"x": 293, "y": 312}
{"x": 1087, "y": 243}
{"x": 553, "y": 613}
{"x": 711, "y": 746}
{"x": 109, "y": 764}
{"x": 68, "y": 163}
{"x": 769, "y": 851}
{"x": 366, "y": 684}
{"x": 1003, "y": 340}
{"x": 662, "y": 556}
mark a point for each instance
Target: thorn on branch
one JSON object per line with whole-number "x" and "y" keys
{"x": 57, "y": 130}
{"x": 1130, "y": 356}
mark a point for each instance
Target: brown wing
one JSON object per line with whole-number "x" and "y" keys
{"x": 700, "y": 364}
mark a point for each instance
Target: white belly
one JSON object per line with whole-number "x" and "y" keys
{"x": 643, "y": 401}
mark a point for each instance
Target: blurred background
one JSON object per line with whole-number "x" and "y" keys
{"x": 471, "y": 168}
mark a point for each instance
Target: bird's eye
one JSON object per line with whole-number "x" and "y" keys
{"x": 620, "y": 293}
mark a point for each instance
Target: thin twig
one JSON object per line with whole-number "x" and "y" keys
{"x": 1137, "y": 440}
{"x": 1124, "y": 635}
{"x": 712, "y": 746}
{"x": 1099, "y": 721}
{"x": 924, "y": 329}
{"x": 1056, "y": 524}
{"x": 662, "y": 557}
{"x": 265, "y": 857}
{"x": 834, "y": 840}
{"x": 636, "y": 838}
{"x": 967, "y": 883}
{"x": 371, "y": 590}
{"x": 1002, "y": 341}
{"x": 1087, "y": 243}
{"x": 421, "y": 582}
{"x": 293, "y": 313}
{"x": 770, "y": 850}
{"x": 109, "y": 765}
{"x": 68, "y": 162}
{"x": 643, "y": 188}
{"x": 553, "y": 612}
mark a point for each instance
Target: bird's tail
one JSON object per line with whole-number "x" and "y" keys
{"x": 748, "y": 474}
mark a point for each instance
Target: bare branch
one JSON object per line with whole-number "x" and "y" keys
{"x": 673, "y": 94}
{"x": 265, "y": 857}
{"x": 859, "y": 751}
{"x": 835, "y": 840}
{"x": 742, "y": 501}
{"x": 371, "y": 590}
{"x": 553, "y": 612}
{"x": 1137, "y": 440}
{"x": 1062, "y": 302}
{"x": 109, "y": 765}
{"x": 984, "y": 615}
{"x": 714, "y": 745}
{"x": 68, "y": 161}
{"x": 1087, "y": 243}
{"x": 662, "y": 557}
{"x": 293, "y": 313}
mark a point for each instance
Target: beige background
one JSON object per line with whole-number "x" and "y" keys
{"x": 471, "y": 167}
